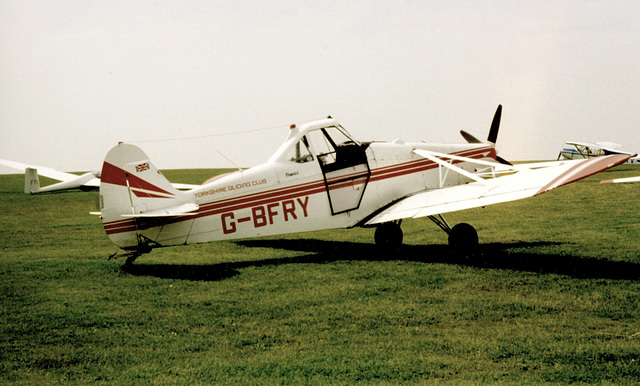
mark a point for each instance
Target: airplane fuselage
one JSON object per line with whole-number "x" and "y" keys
{"x": 297, "y": 193}
{"x": 278, "y": 198}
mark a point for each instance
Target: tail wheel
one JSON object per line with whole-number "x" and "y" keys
{"x": 388, "y": 235}
{"x": 463, "y": 238}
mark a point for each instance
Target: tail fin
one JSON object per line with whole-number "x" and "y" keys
{"x": 31, "y": 181}
{"x": 71, "y": 181}
{"x": 131, "y": 189}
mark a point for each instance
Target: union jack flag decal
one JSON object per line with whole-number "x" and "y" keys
{"x": 142, "y": 167}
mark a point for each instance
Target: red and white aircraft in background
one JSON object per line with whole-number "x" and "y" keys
{"x": 322, "y": 178}
{"x": 582, "y": 150}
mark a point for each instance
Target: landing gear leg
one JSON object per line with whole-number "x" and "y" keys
{"x": 389, "y": 235}
{"x": 144, "y": 246}
{"x": 130, "y": 257}
{"x": 463, "y": 238}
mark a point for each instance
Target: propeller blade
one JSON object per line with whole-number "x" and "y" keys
{"x": 493, "y": 135}
{"x": 469, "y": 138}
{"x": 503, "y": 161}
{"x": 495, "y": 125}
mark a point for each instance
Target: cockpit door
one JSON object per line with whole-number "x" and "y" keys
{"x": 344, "y": 166}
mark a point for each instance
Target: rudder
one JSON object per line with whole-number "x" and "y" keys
{"x": 31, "y": 181}
{"x": 130, "y": 186}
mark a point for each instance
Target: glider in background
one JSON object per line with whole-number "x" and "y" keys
{"x": 322, "y": 178}
{"x": 584, "y": 150}
{"x": 86, "y": 181}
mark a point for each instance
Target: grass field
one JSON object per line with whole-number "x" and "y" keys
{"x": 552, "y": 297}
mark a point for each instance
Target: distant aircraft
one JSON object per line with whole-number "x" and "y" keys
{"x": 582, "y": 150}
{"x": 86, "y": 181}
{"x": 322, "y": 178}
{"x": 621, "y": 180}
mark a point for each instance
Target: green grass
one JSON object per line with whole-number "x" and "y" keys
{"x": 551, "y": 297}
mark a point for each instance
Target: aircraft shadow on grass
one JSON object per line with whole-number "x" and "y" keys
{"x": 492, "y": 256}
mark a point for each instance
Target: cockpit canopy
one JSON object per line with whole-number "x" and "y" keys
{"x": 325, "y": 141}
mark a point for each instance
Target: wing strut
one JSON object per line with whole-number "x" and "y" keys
{"x": 431, "y": 156}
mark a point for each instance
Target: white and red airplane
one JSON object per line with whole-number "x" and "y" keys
{"x": 322, "y": 178}
{"x": 582, "y": 150}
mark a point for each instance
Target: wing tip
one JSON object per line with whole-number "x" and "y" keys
{"x": 585, "y": 169}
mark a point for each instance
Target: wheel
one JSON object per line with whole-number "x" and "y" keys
{"x": 463, "y": 239}
{"x": 388, "y": 235}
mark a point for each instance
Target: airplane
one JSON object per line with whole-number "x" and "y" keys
{"x": 323, "y": 178}
{"x": 86, "y": 181}
{"x": 621, "y": 180}
{"x": 582, "y": 150}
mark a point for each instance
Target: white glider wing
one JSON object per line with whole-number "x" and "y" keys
{"x": 67, "y": 180}
{"x": 50, "y": 172}
{"x": 621, "y": 180}
{"x": 525, "y": 181}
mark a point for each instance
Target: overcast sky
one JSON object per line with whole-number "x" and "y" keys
{"x": 78, "y": 76}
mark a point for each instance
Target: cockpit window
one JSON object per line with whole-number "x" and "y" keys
{"x": 300, "y": 152}
{"x": 325, "y": 141}
{"x": 322, "y": 146}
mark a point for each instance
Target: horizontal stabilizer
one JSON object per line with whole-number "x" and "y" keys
{"x": 180, "y": 186}
{"x": 187, "y": 209}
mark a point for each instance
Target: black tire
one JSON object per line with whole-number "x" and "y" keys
{"x": 388, "y": 235}
{"x": 463, "y": 239}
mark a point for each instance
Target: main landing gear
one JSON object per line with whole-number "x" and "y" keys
{"x": 389, "y": 235}
{"x": 463, "y": 238}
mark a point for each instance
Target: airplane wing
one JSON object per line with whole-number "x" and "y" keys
{"x": 47, "y": 172}
{"x": 524, "y": 181}
{"x": 187, "y": 209}
{"x": 68, "y": 180}
{"x": 621, "y": 180}
{"x": 180, "y": 186}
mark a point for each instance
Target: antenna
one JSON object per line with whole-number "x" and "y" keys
{"x": 225, "y": 157}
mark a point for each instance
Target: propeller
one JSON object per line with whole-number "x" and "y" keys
{"x": 493, "y": 134}
{"x": 495, "y": 125}
{"x": 469, "y": 138}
